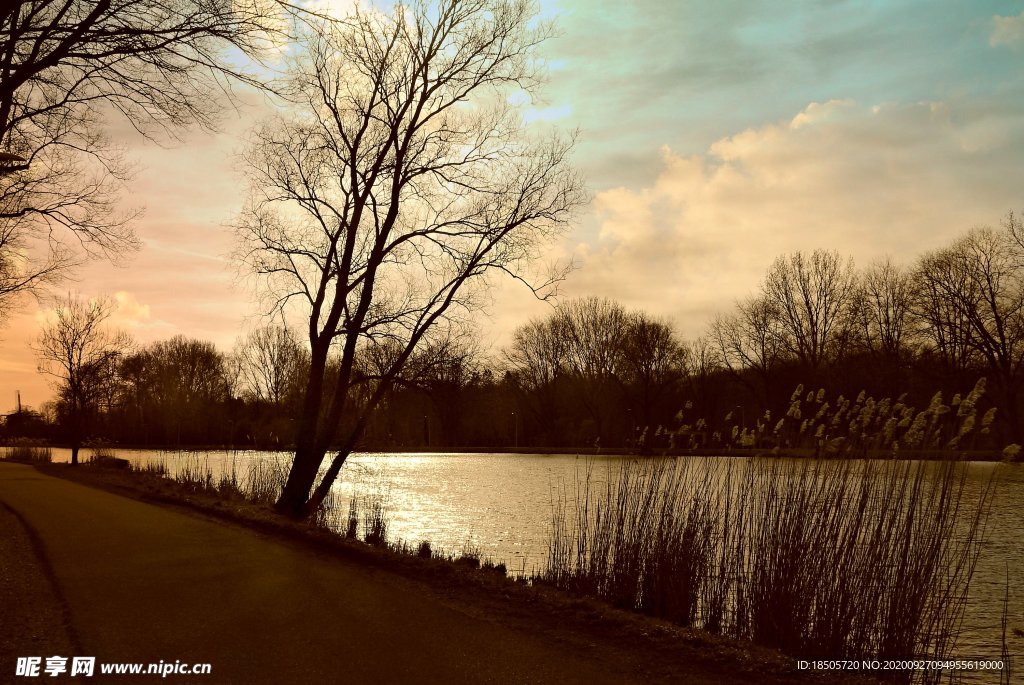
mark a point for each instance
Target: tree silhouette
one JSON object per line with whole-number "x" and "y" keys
{"x": 404, "y": 179}
{"x": 79, "y": 351}
{"x": 69, "y": 66}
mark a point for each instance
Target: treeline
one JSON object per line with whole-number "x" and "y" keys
{"x": 823, "y": 356}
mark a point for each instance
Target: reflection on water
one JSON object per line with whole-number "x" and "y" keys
{"x": 501, "y": 503}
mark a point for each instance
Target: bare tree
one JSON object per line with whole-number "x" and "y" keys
{"x": 812, "y": 294}
{"x": 883, "y": 308}
{"x": 942, "y": 322}
{"x": 703, "y": 365}
{"x": 536, "y": 359}
{"x": 750, "y": 339}
{"x": 67, "y": 66}
{"x": 594, "y": 329}
{"x": 187, "y": 381}
{"x": 653, "y": 364}
{"x": 403, "y": 181}
{"x": 271, "y": 361}
{"x": 972, "y": 298}
{"x": 537, "y": 354}
{"x": 78, "y": 350}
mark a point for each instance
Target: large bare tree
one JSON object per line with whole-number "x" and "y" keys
{"x": 78, "y": 349}
{"x": 67, "y": 67}
{"x": 402, "y": 180}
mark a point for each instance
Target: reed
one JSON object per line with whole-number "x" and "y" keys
{"x": 28, "y": 450}
{"x": 195, "y": 474}
{"x": 375, "y": 522}
{"x": 264, "y": 480}
{"x": 819, "y": 559}
{"x": 469, "y": 556}
{"x": 151, "y": 468}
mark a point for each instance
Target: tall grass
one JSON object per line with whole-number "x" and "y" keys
{"x": 820, "y": 559}
{"x": 375, "y": 523}
{"x": 370, "y": 511}
{"x": 265, "y": 480}
{"x": 27, "y": 450}
{"x": 261, "y": 482}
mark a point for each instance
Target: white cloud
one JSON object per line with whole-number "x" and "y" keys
{"x": 130, "y": 311}
{"x": 1006, "y": 30}
{"x": 126, "y": 311}
{"x": 868, "y": 181}
{"x": 817, "y": 112}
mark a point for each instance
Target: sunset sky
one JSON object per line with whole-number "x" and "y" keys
{"x": 715, "y": 136}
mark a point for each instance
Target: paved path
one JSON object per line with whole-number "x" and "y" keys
{"x": 143, "y": 583}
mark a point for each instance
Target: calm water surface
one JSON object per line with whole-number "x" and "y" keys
{"x": 501, "y": 504}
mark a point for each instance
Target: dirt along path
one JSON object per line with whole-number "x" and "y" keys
{"x": 94, "y": 574}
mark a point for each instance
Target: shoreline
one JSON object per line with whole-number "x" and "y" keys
{"x": 990, "y": 456}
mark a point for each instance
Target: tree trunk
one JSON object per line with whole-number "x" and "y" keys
{"x": 324, "y": 488}
{"x": 301, "y": 477}
{"x": 309, "y": 448}
{"x": 76, "y": 433}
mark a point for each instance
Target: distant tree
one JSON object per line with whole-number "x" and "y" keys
{"x": 403, "y": 179}
{"x": 653, "y": 366}
{"x": 537, "y": 354}
{"x": 944, "y": 322}
{"x": 137, "y": 396}
{"x": 189, "y": 384}
{"x": 537, "y": 361}
{"x": 78, "y": 349}
{"x": 67, "y": 66}
{"x": 595, "y": 330}
{"x": 443, "y": 371}
{"x": 812, "y": 294}
{"x": 704, "y": 370}
{"x": 883, "y": 308}
{"x": 749, "y": 341}
{"x": 593, "y": 354}
{"x": 271, "y": 361}
{"x": 978, "y": 283}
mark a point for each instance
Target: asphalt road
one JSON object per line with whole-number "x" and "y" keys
{"x": 137, "y": 582}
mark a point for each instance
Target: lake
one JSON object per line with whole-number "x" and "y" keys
{"x": 501, "y": 504}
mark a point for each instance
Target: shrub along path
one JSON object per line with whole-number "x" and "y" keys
{"x": 143, "y": 583}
